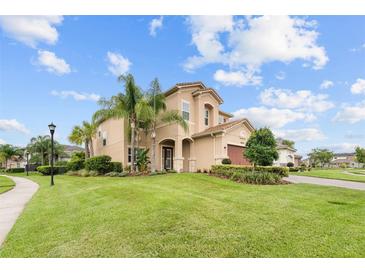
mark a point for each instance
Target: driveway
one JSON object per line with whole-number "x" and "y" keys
{"x": 325, "y": 182}
{"x": 13, "y": 202}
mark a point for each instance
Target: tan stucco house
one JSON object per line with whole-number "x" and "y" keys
{"x": 212, "y": 135}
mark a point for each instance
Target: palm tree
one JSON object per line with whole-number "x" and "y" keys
{"x": 39, "y": 144}
{"x": 152, "y": 110}
{"x": 7, "y": 151}
{"x": 83, "y": 135}
{"x": 122, "y": 106}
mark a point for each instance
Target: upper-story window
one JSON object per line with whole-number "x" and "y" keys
{"x": 186, "y": 110}
{"x": 104, "y": 138}
{"x": 206, "y": 117}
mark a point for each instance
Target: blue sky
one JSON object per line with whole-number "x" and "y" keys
{"x": 302, "y": 76}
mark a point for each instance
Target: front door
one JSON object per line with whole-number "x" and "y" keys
{"x": 167, "y": 153}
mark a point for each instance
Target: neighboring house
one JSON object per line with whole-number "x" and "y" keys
{"x": 211, "y": 137}
{"x": 67, "y": 153}
{"x": 345, "y": 159}
{"x": 286, "y": 155}
{"x": 15, "y": 162}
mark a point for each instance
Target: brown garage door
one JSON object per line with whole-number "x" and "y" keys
{"x": 235, "y": 153}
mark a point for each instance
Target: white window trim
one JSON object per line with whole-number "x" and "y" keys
{"x": 182, "y": 108}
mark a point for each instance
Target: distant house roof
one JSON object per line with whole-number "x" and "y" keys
{"x": 225, "y": 113}
{"x": 344, "y": 154}
{"x": 70, "y": 148}
{"x": 222, "y": 127}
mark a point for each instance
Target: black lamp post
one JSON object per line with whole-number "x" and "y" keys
{"x": 52, "y": 128}
{"x": 27, "y": 154}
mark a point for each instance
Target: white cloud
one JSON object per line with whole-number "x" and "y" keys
{"x": 351, "y": 113}
{"x": 280, "y": 75}
{"x": 12, "y": 125}
{"x": 253, "y": 41}
{"x": 358, "y": 87}
{"x": 237, "y": 78}
{"x": 301, "y": 99}
{"x": 78, "y": 96}
{"x": 31, "y": 30}
{"x": 2, "y": 142}
{"x": 341, "y": 147}
{"x": 155, "y": 24}
{"x": 52, "y": 63}
{"x": 326, "y": 84}
{"x": 303, "y": 134}
{"x": 118, "y": 64}
{"x": 272, "y": 117}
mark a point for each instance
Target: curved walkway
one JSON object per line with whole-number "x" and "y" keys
{"x": 13, "y": 202}
{"x": 325, "y": 182}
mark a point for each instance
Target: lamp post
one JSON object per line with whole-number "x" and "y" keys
{"x": 52, "y": 128}
{"x": 27, "y": 154}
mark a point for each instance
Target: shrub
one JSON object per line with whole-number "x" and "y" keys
{"x": 117, "y": 166}
{"x": 46, "y": 170}
{"x": 171, "y": 171}
{"x": 72, "y": 173}
{"x": 226, "y": 161}
{"x": 61, "y": 163}
{"x": 158, "y": 173}
{"x": 93, "y": 173}
{"x": 15, "y": 170}
{"x": 84, "y": 173}
{"x": 101, "y": 164}
{"x": 229, "y": 169}
{"x": 294, "y": 169}
{"x": 76, "y": 164}
{"x": 290, "y": 164}
{"x": 116, "y": 174}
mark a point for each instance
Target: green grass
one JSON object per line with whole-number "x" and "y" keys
{"x": 332, "y": 174}
{"x": 6, "y": 184}
{"x": 187, "y": 215}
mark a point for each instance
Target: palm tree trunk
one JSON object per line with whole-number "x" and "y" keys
{"x": 133, "y": 140}
{"x": 91, "y": 148}
{"x": 153, "y": 152}
{"x": 87, "y": 152}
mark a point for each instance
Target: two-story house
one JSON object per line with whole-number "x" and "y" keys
{"x": 211, "y": 136}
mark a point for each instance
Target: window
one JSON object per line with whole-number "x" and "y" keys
{"x": 104, "y": 142}
{"x": 221, "y": 119}
{"x": 206, "y": 117}
{"x": 186, "y": 110}
{"x": 104, "y": 138}
{"x": 130, "y": 154}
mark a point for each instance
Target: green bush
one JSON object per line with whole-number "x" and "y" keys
{"x": 230, "y": 169}
{"x": 294, "y": 169}
{"x": 101, "y": 164}
{"x": 15, "y": 170}
{"x": 158, "y": 173}
{"x": 84, "y": 173}
{"x": 257, "y": 178}
{"x": 290, "y": 164}
{"x": 61, "y": 163}
{"x": 93, "y": 173}
{"x": 116, "y": 174}
{"x": 117, "y": 166}
{"x": 46, "y": 170}
{"x": 76, "y": 164}
{"x": 226, "y": 161}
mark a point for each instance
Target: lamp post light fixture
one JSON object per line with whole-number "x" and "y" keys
{"x": 52, "y": 128}
{"x": 27, "y": 154}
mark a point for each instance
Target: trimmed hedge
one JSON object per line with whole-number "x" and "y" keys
{"x": 15, "y": 170}
{"x": 76, "y": 164}
{"x": 117, "y": 166}
{"x": 46, "y": 170}
{"x": 230, "y": 169}
{"x": 257, "y": 178}
{"x": 101, "y": 164}
{"x": 226, "y": 161}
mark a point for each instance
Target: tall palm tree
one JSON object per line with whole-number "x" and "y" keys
{"x": 152, "y": 110}
{"x": 39, "y": 145}
{"x": 122, "y": 106}
{"x": 83, "y": 135}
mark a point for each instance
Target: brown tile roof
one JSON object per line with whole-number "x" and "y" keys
{"x": 225, "y": 113}
{"x": 210, "y": 90}
{"x": 219, "y": 128}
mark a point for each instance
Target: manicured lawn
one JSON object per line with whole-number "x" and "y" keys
{"x": 187, "y": 215}
{"x": 5, "y": 184}
{"x": 333, "y": 174}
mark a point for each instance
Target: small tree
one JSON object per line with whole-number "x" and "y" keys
{"x": 360, "y": 155}
{"x": 261, "y": 147}
{"x": 320, "y": 156}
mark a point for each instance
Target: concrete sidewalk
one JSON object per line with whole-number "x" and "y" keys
{"x": 13, "y": 202}
{"x": 325, "y": 182}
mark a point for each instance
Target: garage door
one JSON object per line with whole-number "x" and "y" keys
{"x": 235, "y": 153}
